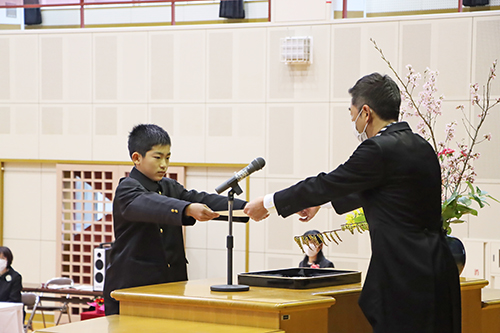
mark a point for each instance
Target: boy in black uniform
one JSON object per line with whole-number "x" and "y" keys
{"x": 149, "y": 211}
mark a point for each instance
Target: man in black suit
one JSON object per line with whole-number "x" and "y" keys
{"x": 149, "y": 211}
{"x": 412, "y": 284}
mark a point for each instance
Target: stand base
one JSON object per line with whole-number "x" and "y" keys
{"x": 229, "y": 287}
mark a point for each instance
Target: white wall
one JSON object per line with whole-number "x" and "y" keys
{"x": 224, "y": 97}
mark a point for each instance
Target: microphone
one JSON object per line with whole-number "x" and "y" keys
{"x": 255, "y": 165}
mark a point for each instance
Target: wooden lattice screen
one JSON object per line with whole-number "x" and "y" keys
{"x": 85, "y": 218}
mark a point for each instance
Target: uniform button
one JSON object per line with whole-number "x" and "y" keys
{"x": 172, "y": 210}
{"x": 161, "y": 230}
{"x": 168, "y": 265}
{"x": 159, "y": 192}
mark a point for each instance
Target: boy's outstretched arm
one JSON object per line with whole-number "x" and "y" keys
{"x": 200, "y": 212}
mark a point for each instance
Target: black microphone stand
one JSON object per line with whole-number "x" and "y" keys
{"x": 235, "y": 188}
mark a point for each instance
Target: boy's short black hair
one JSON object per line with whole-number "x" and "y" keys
{"x": 7, "y": 253}
{"x": 144, "y": 137}
{"x": 380, "y": 93}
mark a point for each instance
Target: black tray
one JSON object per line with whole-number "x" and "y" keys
{"x": 299, "y": 278}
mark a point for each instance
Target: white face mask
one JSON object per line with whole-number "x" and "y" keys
{"x": 3, "y": 264}
{"x": 311, "y": 252}
{"x": 360, "y": 136}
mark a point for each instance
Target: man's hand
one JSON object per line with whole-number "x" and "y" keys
{"x": 200, "y": 212}
{"x": 308, "y": 213}
{"x": 255, "y": 209}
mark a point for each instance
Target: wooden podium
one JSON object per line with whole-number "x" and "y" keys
{"x": 191, "y": 307}
{"x": 328, "y": 309}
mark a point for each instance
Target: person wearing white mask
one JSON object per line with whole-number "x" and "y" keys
{"x": 412, "y": 284}
{"x": 314, "y": 257}
{"x": 10, "y": 281}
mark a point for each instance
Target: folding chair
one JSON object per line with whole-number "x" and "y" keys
{"x": 61, "y": 306}
{"x": 30, "y": 302}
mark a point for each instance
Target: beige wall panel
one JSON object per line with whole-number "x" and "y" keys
{"x": 236, "y": 65}
{"x": 22, "y": 215}
{"x": 51, "y": 68}
{"x": 345, "y": 60}
{"x": 27, "y": 258}
{"x": 51, "y": 120}
{"x": 308, "y": 82}
{"x": 299, "y": 10}
{"x": 217, "y": 264}
{"x": 162, "y": 115}
{"x": 485, "y": 49}
{"x": 488, "y": 164}
{"x": 454, "y": 67}
{"x": 161, "y": 68}
{"x": 133, "y": 84}
{"x": 112, "y": 125}
{"x": 281, "y": 143}
{"x": 24, "y": 68}
{"x": 188, "y": 141}
{"x": 386, "y": 34}
{"x": 48, "y": 202}
{"x": 5, "y": 79}
{"x": 311, "y": 133}
{"x": 190, "y": 66}
{"x": 277, "y": 261}
{"x": 5, "y": 119}
{"x": 235, "y": 133}
{"x": 197, "y": 266}
{"x": 105, "y": 67}
{"x": 48, "y": 255}
{"x": 75, "y": 141}
{"x": 486, "y": 225}
{"x": 415, "y": 45}
{"x": 278, "y": 231}
{"x": 257, "y": 261}
{"x": 249, "y": 64}
{"x": 77, "y": 62}
{"x": 196, "y": 236}
{"x": 343, "y": 141}
{"x": 120, "y": 70}
{"x": 22, "y": 140}
{"x": 220, "y": 54}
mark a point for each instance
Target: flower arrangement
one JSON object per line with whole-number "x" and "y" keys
{"x": 98, "y": 304}
{"x": 457, "y": 170}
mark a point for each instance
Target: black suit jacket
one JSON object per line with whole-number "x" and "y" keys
{"x": 149, "y": 247}
{"x": 11, "y": 284}
{"x": 412, "y": 283}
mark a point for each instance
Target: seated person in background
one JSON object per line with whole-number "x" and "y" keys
{"x": 10, "y": 280}
{"x": 314, "y": 257}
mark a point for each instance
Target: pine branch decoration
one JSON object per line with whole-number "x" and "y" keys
{"x": 330, "y": 236}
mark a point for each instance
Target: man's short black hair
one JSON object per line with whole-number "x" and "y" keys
{"x": 7, "y": 253}
{"x": 144, "y": 137}
{"x": 380, "y": 93}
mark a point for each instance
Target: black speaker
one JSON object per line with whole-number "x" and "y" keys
{"x": 101, "y": 262}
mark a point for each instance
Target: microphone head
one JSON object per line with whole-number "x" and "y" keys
{"x": 258, "y": 163}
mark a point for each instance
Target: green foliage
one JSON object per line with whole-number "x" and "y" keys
{"x": 457, "y": 205}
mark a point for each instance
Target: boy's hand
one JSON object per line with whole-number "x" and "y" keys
{"x": 256, "y": 210}
{"x": 200, "y": 212}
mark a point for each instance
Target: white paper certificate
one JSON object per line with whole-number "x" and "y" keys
{"x": 236, "y": 213}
